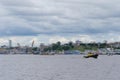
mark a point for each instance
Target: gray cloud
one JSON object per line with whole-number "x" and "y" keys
{"x": 59, "y": 17}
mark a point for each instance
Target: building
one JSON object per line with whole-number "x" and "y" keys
{"x": 78, "y": 42}
{"x": 10, "y": 43}
{"x": 72, "y": 52}
{"x": 42, "y": 47}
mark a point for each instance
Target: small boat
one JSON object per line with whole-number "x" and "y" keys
{"x": 91, "y": 55}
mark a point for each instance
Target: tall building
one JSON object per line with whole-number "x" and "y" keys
{"x": 42, "y": 46}
{"x": 78, "y": 42}
{"x": 10, "y": 43}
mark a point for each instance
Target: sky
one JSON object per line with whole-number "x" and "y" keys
{"x": 49, "y": 21}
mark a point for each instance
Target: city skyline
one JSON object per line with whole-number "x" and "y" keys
{"x": 50, "y": 21}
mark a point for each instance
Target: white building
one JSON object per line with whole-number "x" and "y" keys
{"x": 10, "y": 43}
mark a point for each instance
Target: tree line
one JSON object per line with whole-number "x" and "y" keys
{"x": 72, "y": 46}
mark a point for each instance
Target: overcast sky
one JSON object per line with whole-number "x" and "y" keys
{"x": 48, "y": 21}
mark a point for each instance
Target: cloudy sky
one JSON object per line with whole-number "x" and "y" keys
{"x": 48, "y": 21}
